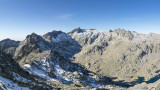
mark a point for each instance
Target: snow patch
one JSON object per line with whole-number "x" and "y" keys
{"x": 27, "y": 66}
{"x": 86, "y": 33}
{"x": 140, "y": 37}
{"x": 7, "y": 84}
{"x": 41, "y": 69}
{"x": 64, "y": 76}
{"x": 61, "y": 37}
{"x": 38, "y": 72}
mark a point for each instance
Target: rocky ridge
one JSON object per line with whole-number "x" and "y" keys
{"x": 125, "y": 55}
{"x": 48, "y": 58}
{"x": 87, "y": 58}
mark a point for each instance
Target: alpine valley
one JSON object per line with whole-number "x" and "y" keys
{"x": 81, "y": 59}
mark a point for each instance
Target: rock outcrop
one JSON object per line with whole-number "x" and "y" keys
{"x": 9, "y": 46}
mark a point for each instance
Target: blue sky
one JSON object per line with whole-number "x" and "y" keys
{"x": 19, "y": 18}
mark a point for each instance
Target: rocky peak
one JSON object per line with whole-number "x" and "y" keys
{"x": 36, "y": 41}
{"x": 52, "y": 34}
{"x": 124, "y": 33}
{"x": 8, "y": 42}
{"x": 9, "y": 46}
{"x": 55, "y": 40}
{"x": 33, "y": 43}
{"x": 33, "y": 38}
{"x": 62, "y": 42}
{"x": 77, "y": 30}
{"x": 58, "y": 37}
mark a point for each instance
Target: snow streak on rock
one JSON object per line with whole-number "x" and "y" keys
{"x": 7, "y": 84}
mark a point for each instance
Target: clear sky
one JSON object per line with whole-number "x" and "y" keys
{"x": 19, "y": 18}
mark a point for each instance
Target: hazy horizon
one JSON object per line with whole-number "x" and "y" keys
{"x": 19, "y": 18}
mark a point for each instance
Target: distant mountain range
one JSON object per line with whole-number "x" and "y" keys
{"x": 81, "y": 59}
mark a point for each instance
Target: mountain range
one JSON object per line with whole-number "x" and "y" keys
{"x": 81, "y": 59}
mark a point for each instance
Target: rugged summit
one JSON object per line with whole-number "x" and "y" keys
{"x": 62, "y": 42}
{"x": 55, "y": 40}
{"x": 32, "y": 43}
{"x": 88, "y": 58}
